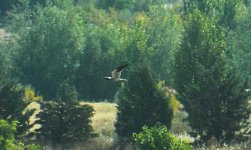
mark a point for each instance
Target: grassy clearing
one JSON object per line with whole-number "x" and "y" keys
{"x": 104, "y": 117}
{"x": 103, "y": 124}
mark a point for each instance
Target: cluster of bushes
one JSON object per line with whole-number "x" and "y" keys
{"x": 158, "y": 137}
{"x": 7, "y": 137}
{"x": 64, "y": 48}
{"x": 66, "y": 123}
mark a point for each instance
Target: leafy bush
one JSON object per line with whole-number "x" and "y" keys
{"x": 64, "y": 123}
{"x": 141, "y": 103}
{"x": 7, "y": 131}
{"x": 7, "y": 137}
{"x": 13, "y": 104}
{"x": 158, "y": 138}
{"x": 30, "y": 95}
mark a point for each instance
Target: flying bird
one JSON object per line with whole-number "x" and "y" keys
{"x": 117, "y": 73}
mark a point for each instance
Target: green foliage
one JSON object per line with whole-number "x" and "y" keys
{"x": 32, "y": 147}
{"x": 5, "y": 58}
{"x": 234, "y": 107}
{"x": 101, "y": 55}
{"x": 59, "y": 41}
{"x": 238, "y": 52}
{"x": 216, "y": 102}
{"x": 247, "y": 2}
{"x": 164, "y": 30}
{"x": 153, "y": 38}
{"x": 136, "y": 48}
{"x": 7, "y": 137}
{"x": 49, "y": 41}
{"x": 141, "y": 103}
{"x": 7, "y": 132}
{"x": 64, "y": 123}
{"x": 223, "y": 11}
{"x": 221, "y": 108}
{"x": 203, "y": 45}
{"x": 6, "y": 5}
{"x": 67, "y": 93}
{"x": 158, "y": 138}
{"x": 13, "y": 104}
{"x": 137, "y": 5}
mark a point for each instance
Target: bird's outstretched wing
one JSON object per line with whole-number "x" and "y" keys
{"x": 120, "y": 68}
{"x": 117, "y": 72}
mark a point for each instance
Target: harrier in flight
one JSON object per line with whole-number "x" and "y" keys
{"x": 117, "y": 73}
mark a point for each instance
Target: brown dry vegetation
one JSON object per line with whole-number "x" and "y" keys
{"x": 103, "y": 124}
{"x": 104, "y": 117}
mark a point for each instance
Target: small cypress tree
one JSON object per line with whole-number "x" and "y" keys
{"x": 141, "y": 103}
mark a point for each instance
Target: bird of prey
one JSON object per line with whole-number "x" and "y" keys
{"x": 117, "y": 73}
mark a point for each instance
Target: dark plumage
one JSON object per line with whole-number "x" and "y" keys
{"x": 117, "y": 73}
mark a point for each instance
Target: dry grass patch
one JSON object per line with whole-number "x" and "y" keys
{"x": 102, "y": 121}
{"x": 104, "y": 117}
{"x": 103, "y": 124}
{"x": 241, "y": 146}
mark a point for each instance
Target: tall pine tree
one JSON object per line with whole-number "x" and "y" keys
{"x": 216, "y": 102}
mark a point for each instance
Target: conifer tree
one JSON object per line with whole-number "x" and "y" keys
{"x": 141, "y": 103}
{"x": 215, "y": 99}
{"x": 64, "y": 124}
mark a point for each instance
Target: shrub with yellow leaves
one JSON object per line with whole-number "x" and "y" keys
{"x": 170, "y": 92}
{"x": 29, "y": 95}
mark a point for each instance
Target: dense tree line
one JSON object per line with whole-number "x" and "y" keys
{"x": 64, "y": 48}
{"x": 62, "y": 41}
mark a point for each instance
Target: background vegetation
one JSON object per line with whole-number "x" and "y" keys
{"x": 62, "y": 49}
